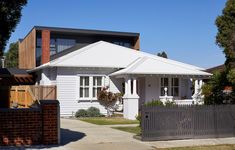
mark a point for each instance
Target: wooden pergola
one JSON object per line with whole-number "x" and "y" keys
{"x": 14, "y": 76}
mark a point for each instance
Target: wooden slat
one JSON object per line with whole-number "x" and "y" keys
{"x": 187, "y": 121}
{"x": 27, "y": 51}
{"x": 25, "y": 96}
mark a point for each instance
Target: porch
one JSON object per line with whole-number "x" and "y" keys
{"x": 141, "y": 89}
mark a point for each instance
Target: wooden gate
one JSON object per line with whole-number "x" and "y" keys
{"x": 25, "y": 96}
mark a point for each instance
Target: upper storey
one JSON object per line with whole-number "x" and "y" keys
{"x": 43, "y": 44}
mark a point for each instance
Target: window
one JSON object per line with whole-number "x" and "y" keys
{"x": 175, "y": 86}
{"x": 172, "y": 85}
{"x": 52, "y": 46}
{"x": 84, "y": 87}
{"x": 90, "y": 86}
{"x": 164, "y": 83}
{"x": 97, "y": 85}
{"x": 125, "y": 44}
{"x": 63, "y": 44}
{"x": 38, "y": 51}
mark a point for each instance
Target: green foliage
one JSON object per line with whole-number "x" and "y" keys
{"x": 231, "y": 76}
{"x": 154, "y": 103}
{"x": 169, "y": 103}
{"x": 93, "y": 112}
{"x": 10, "y": 16}
{"x": 138, "y": 117}
{"x": 81, "y": 113}
{"x": 225, "y": 37}
{"x": 162, "y": 54}
{"x": 90, "y": 112}
{"x": 213, "y": 89}
{"x": 12, "y": 56}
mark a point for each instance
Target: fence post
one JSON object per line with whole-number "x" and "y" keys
{"x": 50, "y": 121}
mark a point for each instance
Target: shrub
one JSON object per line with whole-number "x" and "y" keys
{"x": 169, "y": 103}
{"x": 81, "y": 113}
{"x": 93, "y": 112}
{"x": 90, "y": 112}
{"x": 108, "y": 99}
{"x": 154, "y": 103}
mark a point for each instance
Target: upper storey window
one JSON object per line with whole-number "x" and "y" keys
{"x": 125, "y": 44}
{"x": 63, "y": 44}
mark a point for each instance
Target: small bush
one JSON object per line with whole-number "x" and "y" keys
{"x": 90, "y": 112}
{"x": 81, "y": 113}
{"x": 93, "y": 112}
{"x": 169, "y": 103}
{"x": 154, "y": 103}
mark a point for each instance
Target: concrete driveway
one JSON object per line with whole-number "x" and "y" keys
{"x": 77, "y": 134}
{"x": 80, "y": 135}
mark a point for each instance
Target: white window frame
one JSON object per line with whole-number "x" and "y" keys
{"x": 174, "y": 86}
{"x": 170, "y": 86}
{"x": 84, "y": 86}
{"x": 96, "y": 86}
{"x": 90, "y": 98}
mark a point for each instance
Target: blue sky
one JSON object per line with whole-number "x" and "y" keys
{"x": 185, "y": 29}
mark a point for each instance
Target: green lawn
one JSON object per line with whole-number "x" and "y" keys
{"x": 212, "y": 147}
{"x": 109, "y": 120}
{"x": 135, "y": 130}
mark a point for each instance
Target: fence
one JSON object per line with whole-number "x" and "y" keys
{"x": 187, "y": 121}
{"x": 30, "y": 126}
{"x": 24, "y": 96}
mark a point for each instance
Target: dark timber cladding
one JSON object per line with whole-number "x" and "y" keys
{"x": 42, "y": 44}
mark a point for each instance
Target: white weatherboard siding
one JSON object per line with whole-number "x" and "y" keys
{"x": 152, "y": 89}
{"x": 68, "y": 89}
{"x": 114, "y": 63}
{"x": 66, "y": 94}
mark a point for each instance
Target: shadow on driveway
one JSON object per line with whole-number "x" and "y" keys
{"x": 66, "y": 136}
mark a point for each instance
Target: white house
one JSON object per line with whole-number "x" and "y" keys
{"x": 141, "y": 76}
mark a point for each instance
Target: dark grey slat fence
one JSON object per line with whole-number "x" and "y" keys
{"x": 187, "y": 121}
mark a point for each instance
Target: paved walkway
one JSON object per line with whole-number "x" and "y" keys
{"x": 80, "y": 135}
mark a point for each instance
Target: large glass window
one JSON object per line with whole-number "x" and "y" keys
{"x": 38, "y": 51}
{"x": 97, "y": 85}
{"x": 84, "y": 87}
{"x": 63, "y": 44}
{"x": 52, "y": 46}
{"x": 125, "y": 44}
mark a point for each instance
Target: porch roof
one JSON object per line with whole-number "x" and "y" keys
{"x": 152, "y": 66}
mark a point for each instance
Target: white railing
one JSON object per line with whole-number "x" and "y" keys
{"x": 184, "y": 102}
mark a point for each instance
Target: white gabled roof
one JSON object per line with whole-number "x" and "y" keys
{"x": 151, "y": 66}
{"x": 107, "y": 55}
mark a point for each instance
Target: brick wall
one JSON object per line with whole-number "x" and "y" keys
{"x": 32, "y": 126}
{"x": 45, "y": 46}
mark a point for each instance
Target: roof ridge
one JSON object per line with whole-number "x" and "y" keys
{"x": 76, "y": 52}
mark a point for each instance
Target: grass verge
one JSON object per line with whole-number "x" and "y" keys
{"x": 108, "y": 120}
{"x": 135, "y": 130}
{"x": 209, "y": 147}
